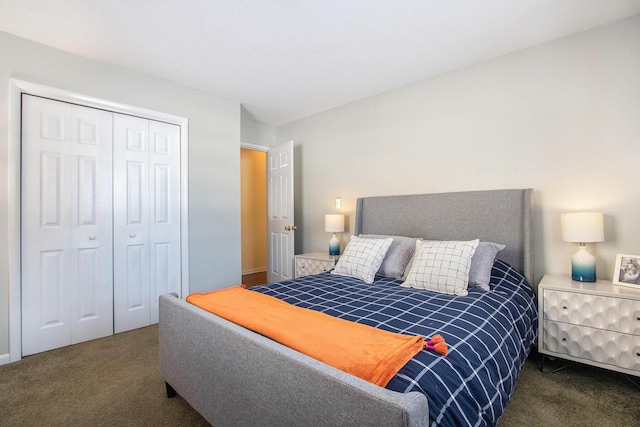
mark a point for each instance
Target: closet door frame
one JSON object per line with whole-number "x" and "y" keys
{"x": 16, "y": 89}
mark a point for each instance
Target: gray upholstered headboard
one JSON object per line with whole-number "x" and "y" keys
{"x": 501, "y": 216}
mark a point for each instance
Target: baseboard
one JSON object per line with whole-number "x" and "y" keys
{"x": 254, "y": 270}
{"x": 5, "y": 358}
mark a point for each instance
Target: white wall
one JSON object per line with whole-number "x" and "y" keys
{"x": 214, "y": 153}
{"x": 255, "y": 133}
{"x": 562, "y": 118}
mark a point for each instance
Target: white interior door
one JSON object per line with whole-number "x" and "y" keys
{"x": 131, "y": 252}
{"x": 280, "y": 213}
{"x": 147, "y": 260}
{"x": 164, "y": 194}
{"x": 66, "y": 224}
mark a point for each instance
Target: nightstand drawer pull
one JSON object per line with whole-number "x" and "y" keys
{"x": 564, "y": 307}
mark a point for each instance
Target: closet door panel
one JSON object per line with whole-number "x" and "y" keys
{"x": 164, "y": 231}
{"x": 45, "y": 225}
{"x": 66, "y": 164}
{"x": 131, "y": 222}
{"x": 92, "y": 226}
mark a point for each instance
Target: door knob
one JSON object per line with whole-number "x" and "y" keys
{"x": 290, "y": 227}
{"x": 92, "y": 237}
{"x": 132, "y": 235}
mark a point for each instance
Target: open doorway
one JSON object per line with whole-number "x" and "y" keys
{"x": 253, "y": 196}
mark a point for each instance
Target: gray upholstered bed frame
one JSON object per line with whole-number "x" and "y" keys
{"x": 234, "y": 377}
{"x": 501, "y": 216}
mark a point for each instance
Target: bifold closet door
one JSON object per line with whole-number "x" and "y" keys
{"x": 165, "y": 272}
{"x": 66, "y": 227}
{"x": 146, "y": 218}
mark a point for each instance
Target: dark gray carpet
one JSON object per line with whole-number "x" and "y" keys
{"x": 579, "y": 396}
{"x": 112, "y": 381}
{"x": 115, "y": 381}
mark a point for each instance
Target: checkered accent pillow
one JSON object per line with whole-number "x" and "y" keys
{"x": 362, "y": 258}
{"x": 441, "y": 266}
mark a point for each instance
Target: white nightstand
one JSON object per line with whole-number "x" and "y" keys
{"x": 594, "y": 323}
{"x": 314, "y": 263}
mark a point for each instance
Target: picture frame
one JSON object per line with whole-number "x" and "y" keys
{"x": 627, "y": 270}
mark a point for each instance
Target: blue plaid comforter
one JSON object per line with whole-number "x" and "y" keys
{"x": 489, "y": 335}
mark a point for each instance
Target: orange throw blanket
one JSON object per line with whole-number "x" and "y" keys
{"x": 364, "y": 351}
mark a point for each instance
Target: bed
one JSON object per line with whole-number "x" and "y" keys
{"x": 233, "y": 376}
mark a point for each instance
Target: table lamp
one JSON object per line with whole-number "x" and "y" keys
{"x": 582, "y": 227}
{"x": 334, "y": 223}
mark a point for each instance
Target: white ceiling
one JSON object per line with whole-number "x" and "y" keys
{"x": 287, "y": 59}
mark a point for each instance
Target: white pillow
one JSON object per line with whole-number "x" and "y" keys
{"x": 362, "y": 258}
{"x": 441, "y": 266}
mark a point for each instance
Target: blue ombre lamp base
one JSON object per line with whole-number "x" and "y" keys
{"x": 334, "y": 245}
{"x": 583, "y": 266}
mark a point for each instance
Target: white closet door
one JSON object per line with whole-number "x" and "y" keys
{"x": 164, "y": 193}
{"x": 131, "y": 252}
{"x": 146, "y": 218}
{"x": 66, "y": 224}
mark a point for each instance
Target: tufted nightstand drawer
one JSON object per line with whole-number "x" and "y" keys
{"x": 613, "y": 314}
{"x": 314, "y": 263}
{"x": 590, "y": 344}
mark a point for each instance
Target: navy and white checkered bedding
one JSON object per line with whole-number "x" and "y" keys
{"x": 489, "y": 334}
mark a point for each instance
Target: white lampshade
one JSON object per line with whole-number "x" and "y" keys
{"x": 334, "y": 223}
{"x": 582, "y": 227}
